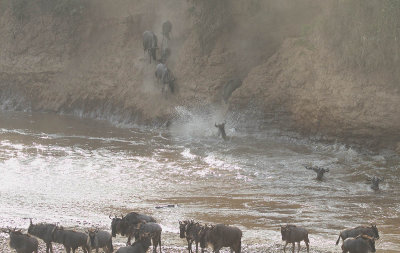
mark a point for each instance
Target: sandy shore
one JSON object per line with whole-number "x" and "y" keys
{"x": 120, "y": 242}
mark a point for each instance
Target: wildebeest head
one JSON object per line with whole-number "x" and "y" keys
{"x": 285, "y": 231}
{"x": 182, "y": 228}
{"x": 375, "y": 230}
{"x": 118, "y": 226}
{"x": 92, "y": 236}
{"x": 57, "y": 234}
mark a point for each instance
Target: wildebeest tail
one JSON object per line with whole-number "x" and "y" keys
{"x": 338, "y": 240}
{"x": 306, "y": 239}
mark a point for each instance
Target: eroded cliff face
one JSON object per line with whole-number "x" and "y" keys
{"x": 88, "y": 59}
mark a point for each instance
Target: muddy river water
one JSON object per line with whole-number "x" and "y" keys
{"x": 77, "y": 172}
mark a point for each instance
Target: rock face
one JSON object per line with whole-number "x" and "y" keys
{"x": 86, "y": 58}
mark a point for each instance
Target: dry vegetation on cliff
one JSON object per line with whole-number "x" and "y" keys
{"x": 331, "y": 65}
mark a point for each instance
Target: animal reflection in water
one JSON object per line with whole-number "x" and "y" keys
{"x": 221, "y": 130}
{"x": 320, "y": 171}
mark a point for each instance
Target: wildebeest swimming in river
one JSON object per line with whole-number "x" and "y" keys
{"x": 221, "y": 130}
{"x": 375, "y": 182}
{"x": 320, "y": 171}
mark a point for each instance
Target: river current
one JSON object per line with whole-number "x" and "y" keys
{"x": 77, "y": 172}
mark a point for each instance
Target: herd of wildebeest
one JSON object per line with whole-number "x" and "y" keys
{"x": 146, "y": 232}
{"x": 144, "y": 229}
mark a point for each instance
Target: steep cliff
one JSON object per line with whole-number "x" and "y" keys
{"x": 283, "y": 57}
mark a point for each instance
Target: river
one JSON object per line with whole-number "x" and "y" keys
{"x": 75, "y": 171}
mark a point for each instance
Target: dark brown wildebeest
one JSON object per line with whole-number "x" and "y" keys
{"x": 22, "y": 243}
{"x": 140, "y": 246}
{"x": 360, "y": 230}
{"x": 360, "y": 244}
{"x": 125, "y": 224}
{"x": 99, "y": 239}
{"x": 221, "y": 130}
{"x": 70, "y": 239}
{"x": 44, "y": 232}
{"x": 220, "y": 236}
{"x": 292, "y": 234}
{"x": 191, "y": 231}
{"x": 320, "y": 171}
{"x": 375, "y": 182}
{"x": 152, "y": 230}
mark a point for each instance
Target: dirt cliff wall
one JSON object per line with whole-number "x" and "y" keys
{"x": 86, "y": 57}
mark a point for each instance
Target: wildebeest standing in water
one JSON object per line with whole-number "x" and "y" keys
{"x": 320, "y": 171}
{"x": 22, "y": 243}
{"x": 99, "y": 239}
{"x": 293, "y": 234}
{"x": 44, "y": 232}
{"x": 360, "y": 244}
{"x": 150, "y": 44}
{"x": 221, "y": 130}
{"x": 361, "y": 230}
{"x": 220, "y": 236}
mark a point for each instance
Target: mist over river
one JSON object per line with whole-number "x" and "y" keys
{"x": 78, "y": 171}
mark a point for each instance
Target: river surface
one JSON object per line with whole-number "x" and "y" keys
{"x": 77, "y": 172}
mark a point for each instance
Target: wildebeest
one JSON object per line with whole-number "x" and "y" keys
{"x": 22, "y": 243}
{"x": 293, "y": 234}
{"x": 125, "y": 224}
{"x": 220, "y": 236}
{"x": 140, "y": 246}
{"x": 70, "y": 239}
{"x": 320, "y": 171}
{"x": 44, "y": 232}
{"x": 375, "y": 182}
{"x": 99, "y": 239}
{"x": 361, "y": 230}
{"x": 165, "y": 54}
{"x": 191, "y": 231}
{"x": 360, "y": 244}
{"x": 150, "y": 44}
{"x": 151, "y": 230}
{"x": 166, "y": 29}
{"x": 221, "y": 130}
{"x": 165, "y": 77}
